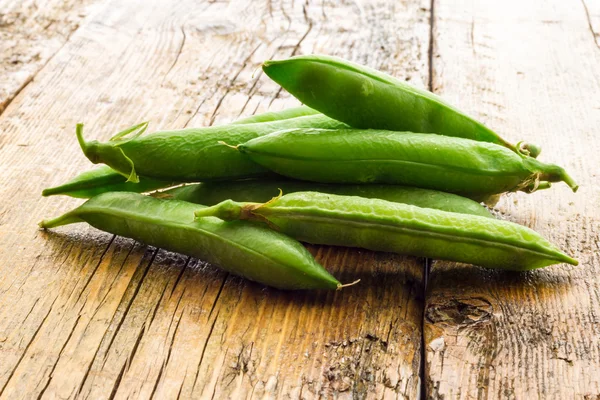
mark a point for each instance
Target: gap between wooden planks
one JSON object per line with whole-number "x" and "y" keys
{"x": 85, "y": 314}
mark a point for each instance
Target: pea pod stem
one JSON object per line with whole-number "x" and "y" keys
{"x": 550, "y": 173}
{"x": 385, "y": 226}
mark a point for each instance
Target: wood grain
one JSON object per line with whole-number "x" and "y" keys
{"x": 88, "y": 315}
{"x": 530, "y": 71}
{"x": 592, "y": 14}
{"x": 31, "y": 32}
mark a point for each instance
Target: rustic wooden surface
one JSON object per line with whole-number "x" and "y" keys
{"x": 532, "y": 71}
{"x": 30, "y": 34}
{"x": 88, "y": 315}
{"x": 85, "y": 314}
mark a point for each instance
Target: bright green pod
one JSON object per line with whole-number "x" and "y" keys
{"x": 189, "y": 155}
{"x": 242, "y": 248}
{"x": 365, "y": 98}
{"x": 103, "y": 179}
{"x": 270, "y": 116}
{"x": 262, "y": 190}
{"x": 400, "y": 228}
{"x": 429, "y": 161}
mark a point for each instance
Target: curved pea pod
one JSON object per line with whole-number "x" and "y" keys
{"x": 365, "y": 98}
{"x": 423, "y": 160}
{"x": 270, "y": 116}
{"x": 188, "y": 155}
{"x": 254, "y": 252}
{"x": 103, "y": 179}
{"x": 259, "y": 191}
{"x": 386, "y": 226}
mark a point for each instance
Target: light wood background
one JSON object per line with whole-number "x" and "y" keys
{"x": 84, "y": 314}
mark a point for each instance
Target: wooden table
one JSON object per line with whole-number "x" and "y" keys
{"x": 85, "y": 314}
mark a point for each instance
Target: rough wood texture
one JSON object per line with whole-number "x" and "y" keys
{"x": 84, "y": 314}
{"x": 31, "y": 33}
{"x": 530, "y": 70}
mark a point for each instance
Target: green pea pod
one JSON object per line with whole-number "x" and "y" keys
{"x": 242, "y": 248}
{"x": 189, "y": 155}
{"x": 386, "y": 226}
{"x": 270, "y": 116}
{"x": 259, "y": 191}
{"x": 103, "y": 179}
{"x": 429, "y": 161}
{"x": 365, "y": 98}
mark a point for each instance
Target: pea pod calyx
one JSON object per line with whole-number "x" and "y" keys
{"x": 98, "y": 152}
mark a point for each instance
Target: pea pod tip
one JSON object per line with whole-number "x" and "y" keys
{"x": 571, "y": 260}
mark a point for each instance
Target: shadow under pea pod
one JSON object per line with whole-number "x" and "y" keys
{"x": 454, "y": 277}
{"x": 461, "y": 296}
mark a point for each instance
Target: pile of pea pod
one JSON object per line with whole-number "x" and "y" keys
{"x": 369, "y": 161}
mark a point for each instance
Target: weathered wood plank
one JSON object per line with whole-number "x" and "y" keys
{"x": 530, "y": 70}
{"x": 592, "y": 14}
{"x": 85, "y": 314}
{"x": 31, "y": 32}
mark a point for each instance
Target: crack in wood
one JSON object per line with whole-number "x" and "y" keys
{"x": 183, "y": 270}
{"x": 179, "y": 51}
{"x": 595, "y": 34}
{"x": 91, "y": 276}
{"x": 231, "y": 82}
{"x": 257, "y": 79}
{"x": 115, "y": 387}
{"x": 431, "y": 45}
{"x": 27, "y": 348}
{"x": 51, "y": 373}
{"x": 212, "y": 327}
{"x": 128, "y": 307}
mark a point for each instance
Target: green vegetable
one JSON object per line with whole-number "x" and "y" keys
{"x": 242, "y": 248}
{"x": 259, "y": 191}
{"x": 288, "y": 113}
{"x": 386, "y": 226}
{"x": 103, "y": 179}
{"x": 191, "y": 154}
{"x": 424, "y": 160}
{"x": 365, "y": 98}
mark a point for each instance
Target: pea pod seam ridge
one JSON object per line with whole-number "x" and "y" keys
{"x": 427, "y": 232}
{"x": 437, "y": 166}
